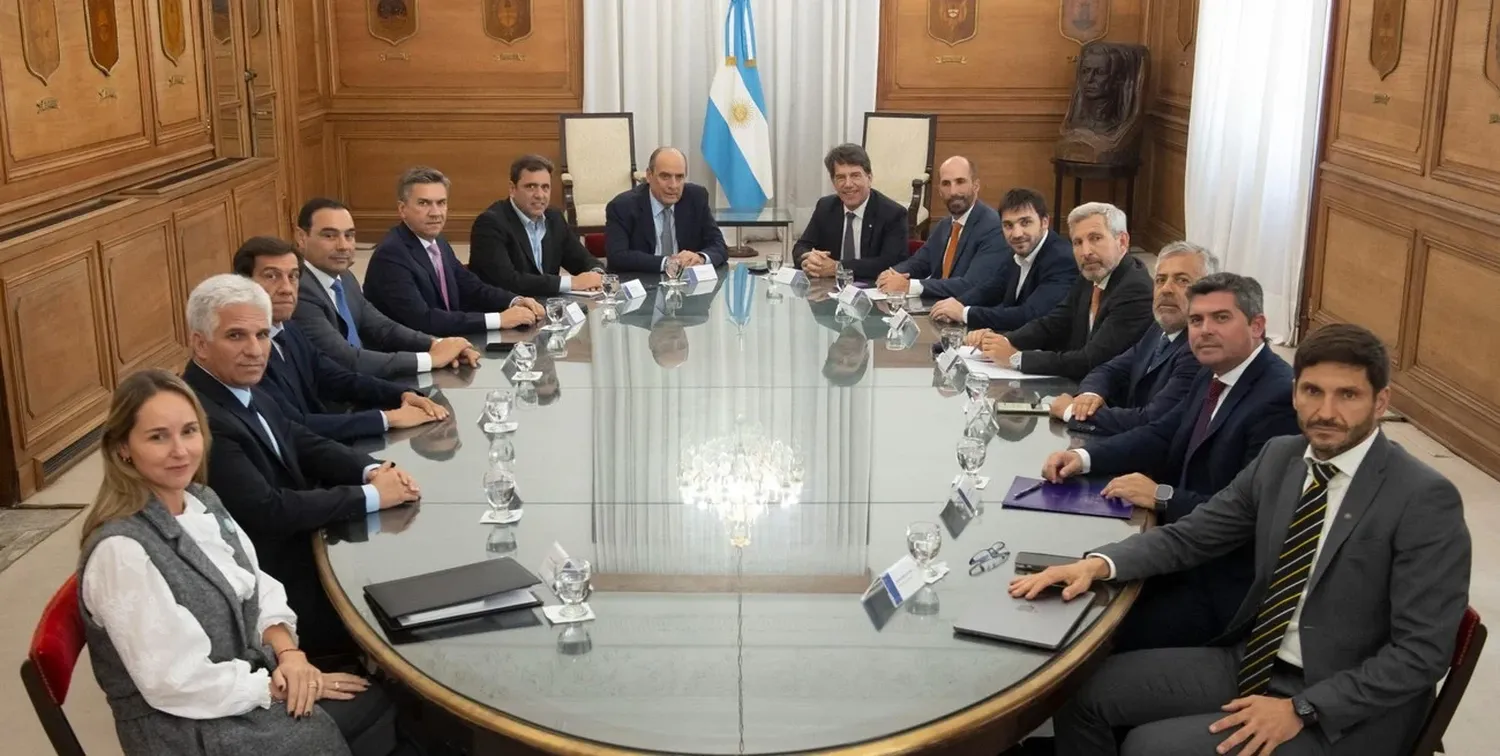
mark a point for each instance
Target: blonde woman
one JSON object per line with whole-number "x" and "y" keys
{"x": 194, "y": 647}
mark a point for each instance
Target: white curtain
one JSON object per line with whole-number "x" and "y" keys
{"x": 656, "y": 59}
{"x": 1252, "y": 138}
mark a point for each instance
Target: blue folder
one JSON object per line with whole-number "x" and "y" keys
{"x": 1079, "y": 496}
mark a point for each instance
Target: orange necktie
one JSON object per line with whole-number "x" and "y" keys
{"x": 1094, "y": 305}
{"x": 952, "y": 249}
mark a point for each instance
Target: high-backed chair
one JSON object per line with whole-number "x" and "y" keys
{"x": 598, "y": 162}
{"x": 48, "y": 669}
{"x": 1471, "y": 637}
{"x": 900, "y": 146}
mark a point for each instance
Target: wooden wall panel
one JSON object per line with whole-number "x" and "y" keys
{"x": 309, "y": 55}
{"x": 1407, "y": 202}
{"x": 313, "y": 158}
{"x": 257, "y": 208}
{"x": 181, "y": 106}
{"x": 142, "y": 304}
{"x": 1161, "y": 192}
{"x": 206, "y": 239}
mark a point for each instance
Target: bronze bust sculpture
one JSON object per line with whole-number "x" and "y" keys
{"x": 1104, "y": 120}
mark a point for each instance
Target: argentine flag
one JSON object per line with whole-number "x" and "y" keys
{"x": 736, "y": 137}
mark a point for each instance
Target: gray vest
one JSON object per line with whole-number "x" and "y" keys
{"x": 198, "y": 586}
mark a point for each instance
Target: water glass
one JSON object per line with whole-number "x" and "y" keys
{"x": 500, "y": 543}
{"x": 502, "y": 450}
{"x": 523, "y": 354}
{"x": 557, "y": 314}
{"x": 896, "y": 302}
{"x": 971, "y": 453}
{"x": 952, "y": 338}
{"x": 773, "y": 262}
{"x": 500, "y": 492}
{"x": 976, "y": 386}
{"x": 497, "y": 406}
{"x": 572, "y": 587}
{"x": 924, "y": 540}
{"x": 674, "y": 272}
{"x": 842, "y": 276}
{"x": 611, "y": 287}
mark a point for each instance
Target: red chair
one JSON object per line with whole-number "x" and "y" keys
{"x": 1471, "y": 636}
{"x": 912, "y": 245}
{"x": 594, "y": 243}
{"x": 48, "y": 668}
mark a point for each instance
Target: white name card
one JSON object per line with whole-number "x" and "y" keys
{"x": 574, "y": 314}
{"x": 701, "y": 273}
{"x": 633, "y": 289}
{"x": 902, "y": 319}
{"x": 789, "y": 276}
{"x": 947, "y": 359}
{"x": 851, "y": 295}
{"x": 963, "y": 493}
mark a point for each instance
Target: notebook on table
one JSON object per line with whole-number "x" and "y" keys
{"x": 472, "y": 590}
{"x": 1045, "y": 622}
{"x": 1073, "y": 496}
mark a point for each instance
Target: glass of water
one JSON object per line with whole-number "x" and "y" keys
{"x": 557, "y": 314}
{"x": 572, "y": 587}
{"x": 497, "y": 406}
{"x": 842, "y": 276}
{"x": 500, "y": 492}
{"x": 896, "y": 302}
{"x": 977, "y": 385}
{"x": 501, "y": 542}
{"x": 952, "y": 338}
{"x": 524, "y": 356}
{"x": 674, "y": 272}
{"x": 924, "y": 541}
{"x": 773, "y": 261}
{"x": 971, "y": 452}
{"x": 611, "y": 287}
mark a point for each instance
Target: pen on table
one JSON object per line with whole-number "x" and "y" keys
{"x": 1033, "y": 488}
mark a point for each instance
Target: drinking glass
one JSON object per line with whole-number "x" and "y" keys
{"x": 557, "y": 314}
{"x": 611, "y": 287}
{"x": 773, "y": 262}
{"x": 500, "y": 492}
{"x": 842, "y": 277}
{"x": 971, "y": 453}
{"x": 976, "y": 386}
{"x": 952, "y": 338}
{"x": 497, "y": 406}
{"x": 523, "y": 354}
{"x": 896, "y": 302}
{"x": 502, "y": 450}
{"x": 572, "y": 587}
{"x": 924, "y": 540}
{"x": 674, "y": 272}
{"x": 501, "y": 542}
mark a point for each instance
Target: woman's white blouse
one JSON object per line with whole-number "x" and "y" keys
{"x": 162, "y": 645}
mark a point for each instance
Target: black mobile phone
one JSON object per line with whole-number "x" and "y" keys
{"x": 499, "y": 348}
{"x": 1028, "y": 562}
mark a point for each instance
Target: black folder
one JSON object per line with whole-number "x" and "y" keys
{"x": 472, "y": 590}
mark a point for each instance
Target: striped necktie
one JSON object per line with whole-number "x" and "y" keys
{"x": 1293, "y": 568}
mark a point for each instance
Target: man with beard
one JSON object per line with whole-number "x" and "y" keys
{"x": 855, "y": 226}
{"x": 963, "y": 250}
{"x": 1035, "y": 279}
{"x": 1361, "y": 579}
{"x": 1240, "y": 399}
{"x": 1151, "y": 378}
{"x": 1107, "y": 310}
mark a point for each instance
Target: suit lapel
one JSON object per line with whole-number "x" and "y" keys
{"x": 1237, "y": 393}
{"x": 1357, "y": 500}
{"x": 1140, "y": 372}
{"x": 165, "y": 524}
{"x": 418, "y": 252}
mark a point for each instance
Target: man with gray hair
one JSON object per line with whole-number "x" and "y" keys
{"x": 415, "y": 279}
{"x": 280, "y": 481}
{"x": 1144, "y": 382}
{"x": 1240, "y": 399}
{"x": 1105, "y": 312}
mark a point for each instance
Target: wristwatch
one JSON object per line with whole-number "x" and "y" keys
{"x": 1305, "y": 711}
{"x": 1163, "y": 496}
{"x": 1015, "y": 361}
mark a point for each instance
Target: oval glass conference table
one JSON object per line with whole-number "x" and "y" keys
{"x": 720, "y": 628}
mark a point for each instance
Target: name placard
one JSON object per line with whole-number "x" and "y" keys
{"x": 701, "y": 273}
{"x": 633, "y": 289}
{"x": 789, "y": 277}
{"x": 574, "y": 314}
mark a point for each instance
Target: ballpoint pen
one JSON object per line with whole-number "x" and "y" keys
{"x": 1033, "y": 488}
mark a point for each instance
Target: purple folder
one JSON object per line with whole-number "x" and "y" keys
{"x": 1075, "y": 496}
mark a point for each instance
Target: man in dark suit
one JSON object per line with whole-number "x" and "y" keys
{"x": 302, "y": 379}
{"x": 856, "y": 225}
{"x": 1107, "y": 310}
{"x": 1241, "y": 399}
{"x": 1035, "y": 278}
{"x": 1149, "y": 379}
{"x": 665, "y": 218}
{"x": 333, "y": 314}
{"x": 522, "y": 245}
{"x": 963, "y": 252}
{"x": 1361, "y": 578}
{"x": 279, "y": 480}
{"x": 414, "y": 277}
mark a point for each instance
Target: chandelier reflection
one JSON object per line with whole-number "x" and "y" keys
{"x": 740, "y": 477}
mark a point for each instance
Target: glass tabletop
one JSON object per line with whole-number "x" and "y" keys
{"x": 766, "y": 216}
{"x": 701, "y": 645}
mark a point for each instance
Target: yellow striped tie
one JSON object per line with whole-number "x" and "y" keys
{"x": 1293, "y": 568}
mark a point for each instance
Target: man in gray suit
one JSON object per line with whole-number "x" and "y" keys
{"x": 332, "y": 310}
{"x": 1361, "y": 580}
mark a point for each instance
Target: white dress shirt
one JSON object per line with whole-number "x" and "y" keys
{"x": 1025, "y": 264}
{"x": 1229, "y": 378}
{"x": 1348, "y": 464}
{"x": 1068, "y": 412}
{"x": 915, "y": 289}
{"x": 162, "y": 645}
{"x": 424, "y": 360}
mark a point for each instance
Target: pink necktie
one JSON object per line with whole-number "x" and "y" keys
{"x": 437, "y": 265}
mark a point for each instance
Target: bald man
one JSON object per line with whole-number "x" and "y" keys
{"x": 667, "y": 217}
{"x": 965, "y": 250}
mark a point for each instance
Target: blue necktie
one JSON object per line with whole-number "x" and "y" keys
{"x": 342, "y": 305}
{"x": 1162, "y": 344}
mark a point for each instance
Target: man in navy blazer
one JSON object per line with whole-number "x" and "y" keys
{"x": 1241, "y": 399}
{"x": 1034, "y": 278}
{"x": 415, "y": 279}
{"x": 522, "y": 244}
{"x": 301, "y": 378}
{"x": 1154, "y": 376}
{"x": 856, "y": 225}
{"x": 636, "y": 221}
{"x": 964, "y": 250}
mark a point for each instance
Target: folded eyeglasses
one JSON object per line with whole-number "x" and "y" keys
{"x": 988, "y": 558}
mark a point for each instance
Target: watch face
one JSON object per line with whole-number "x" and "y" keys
{"x": 1163, "y": 492}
